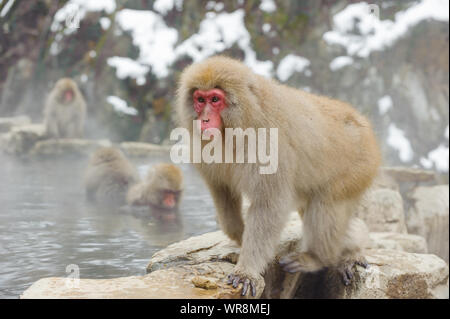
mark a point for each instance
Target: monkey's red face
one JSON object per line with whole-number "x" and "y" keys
{"x": 208, "y": 105}
{"x": 68, "y": 96}
{"x": 169, "y": 200}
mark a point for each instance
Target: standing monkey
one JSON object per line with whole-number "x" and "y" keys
{"x": 109, "y": 176}
{"x": 328, "y": 156}
{"x": 65, "y": 110}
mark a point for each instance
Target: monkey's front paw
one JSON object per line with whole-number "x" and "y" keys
{"x": 346, "y": 269}
{"x": 248, "y": 282}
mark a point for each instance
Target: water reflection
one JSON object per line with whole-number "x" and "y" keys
{"x": 46, "y": 224}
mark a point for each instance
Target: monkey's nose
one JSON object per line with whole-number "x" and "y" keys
{"x": 205, "y": 121}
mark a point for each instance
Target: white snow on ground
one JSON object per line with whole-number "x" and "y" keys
{"x": 374, "y": 34}
{"x": 121, "y": 106}
{"x": 164, "y": 6}
{"x": 126, "y": 67}
{"x": 153, "y": 38}
{"x": 268, "y": 6}
{"x": 340, "y": 62}
{"x": 221, "y": 31}
{"x": 385, "y": 104}
{"x": 397, "y": 140}
{"x": 6, "y": 8}
{"x": 291, "y": 64}
{"x": 78, "y": 9}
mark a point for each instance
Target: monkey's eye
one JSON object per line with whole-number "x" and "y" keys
{"x": 201, "y": 100}
{"x": 215, "y": 99}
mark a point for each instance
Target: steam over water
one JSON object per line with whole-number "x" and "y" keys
{"x": 46, "y": 225}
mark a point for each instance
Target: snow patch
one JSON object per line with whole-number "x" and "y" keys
{"x": 291, "y": 64}
{"x": 105, "y": 23}
{"x": 213, "y": 5}
{"x": 164, "y": 6}
{"x": 397, "y": 140}
{"x": 340, "y": 62}
{"x": 266, "y": 27}
{"x": 221, "y": 31}
{"x": 362, "y": 32}
{"x": 426, "y": 163}
{"x": 153, "y": 38}
{"x": 121, "y": 106}
{"x": 79, "y": 8}
{"x": 385, "y": 104}
{"x": 126, "y": 67}
{"x": 268, "y": 6}
{"x": 98, "y": 5}
{"x": 440, "y": 158}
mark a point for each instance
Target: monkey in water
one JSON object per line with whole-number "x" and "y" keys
{"x": 328, "y": 157}
{"x": 65, "y": 110}
{"x": 109, "y": 176}
{"x": 161, "y": 190}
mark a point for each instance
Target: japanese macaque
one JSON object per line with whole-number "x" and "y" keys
{"x": 161, "y": 189}
{"x": 109, "y": 176}
{"x": 65, "y": 110}
{"x": 328, "y": 157}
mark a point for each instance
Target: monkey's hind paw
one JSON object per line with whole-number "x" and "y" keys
{"x": 290, "y": 265}
{"x": 304, "y": 262}
{"x": 347, "y": 268}
{"x": 247, "y": 282}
